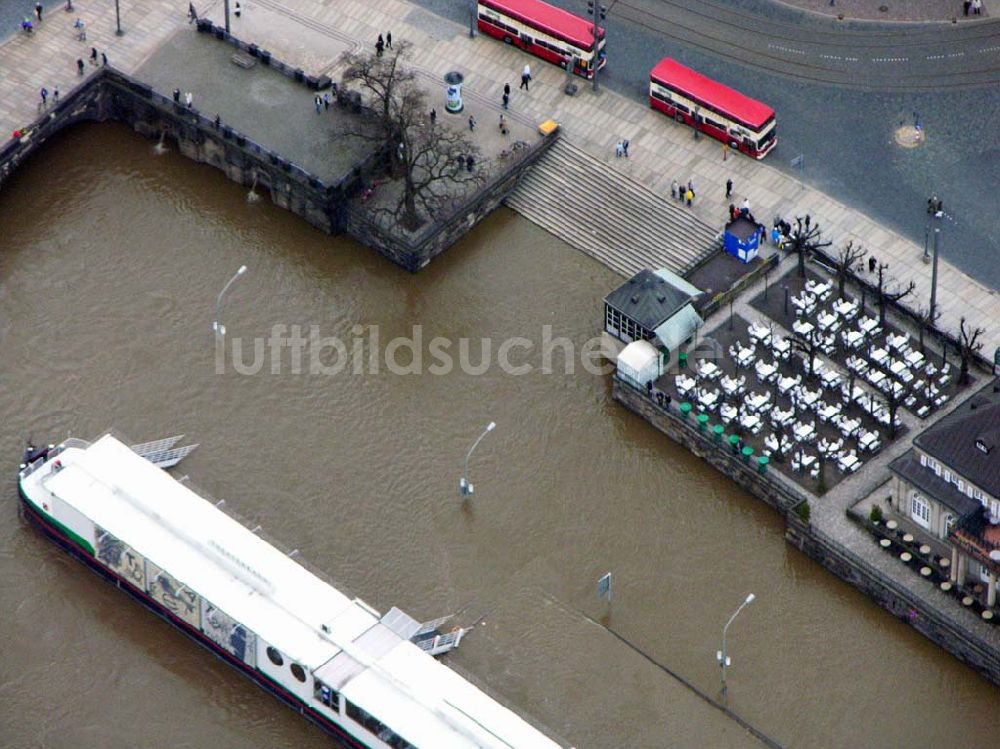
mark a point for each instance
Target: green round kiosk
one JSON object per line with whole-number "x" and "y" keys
{"x": 734, "y": 441}
{"x": 685, "y": 409}
{"x": 762, "y": 462}
{"x": 717, "y": 430}
{"x": 747, "y": 452}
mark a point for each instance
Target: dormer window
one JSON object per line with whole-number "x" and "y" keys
{"x": 983, "y": 447}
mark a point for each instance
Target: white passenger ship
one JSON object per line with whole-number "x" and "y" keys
{"x": 332, "y": 658}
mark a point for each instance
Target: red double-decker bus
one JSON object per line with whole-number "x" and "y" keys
{"x": 745, "y": 124}
{"x": 543, "y": 30}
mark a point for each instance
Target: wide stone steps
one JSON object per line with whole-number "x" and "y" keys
{"x": 609, "y": 216}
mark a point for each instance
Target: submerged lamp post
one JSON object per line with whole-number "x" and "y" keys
{"x": 465, "y": 487}
{"x": 721, "y": 656}
{"x": 217, "y": 326}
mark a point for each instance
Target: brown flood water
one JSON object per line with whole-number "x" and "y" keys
{"x": 110, "y": 261}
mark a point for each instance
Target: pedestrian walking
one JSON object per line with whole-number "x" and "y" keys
{"x": 680, "y": 190}
{"x": 745, "y": 208}
{"x": 327, "y": 101}
{"x": 177, "y": 96}
{"x": 472, "y": 123}
{"x": 318, "y": 102}
{"x": 618, "y": 150}
{"x": 729, "y": 188}
{"x": 506, "y": 100}
{"x": 965, "y": 7}
{"x": 872, "y": 262}
{"x": 977, "y": 7}
{"x": 725, "y": 150}
{"x": 189, "y": 100}
{"x": 469, "y": 162}
{"x": 673, "y": 189}
{"x": 81, "y": 30}
{"x": 93, "y": 55}
{"x": 689, "y": 196}
{"x": 526, "y": 77}
{"x": 775, "y": 235}
{"x": 44, "y": 94}
{"x": 506, "y": 89}
{"x": 434, "y": 116}
{"x": 379, "y": 46}
{"x": 388, "y": 39}
{"x": 38, "y": 10}
{"x": 503, "y": 125}
{"x": 218, "y": 120}
{"x": 104, "y": 58}
{"x": 192, "y": 13}
{"x": 79, "y": 66}
{"x": 55, "y": 96}
{"x": 625, "y": 147}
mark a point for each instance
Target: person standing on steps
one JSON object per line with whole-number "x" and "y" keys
{"x": 673, "y": 189}
{"x": 689, "y": 196}
{"x": 618, "y": 150}
{"x": 680, "y": 190}
{"x": 729, "y": 188}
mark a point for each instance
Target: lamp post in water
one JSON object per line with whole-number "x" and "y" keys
{"x": 721, "y": 655}
{"x": 217, "y": 326}
{"x": 465, "y": 487}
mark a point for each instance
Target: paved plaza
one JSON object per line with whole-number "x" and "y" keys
{"x": 313, "y": 34}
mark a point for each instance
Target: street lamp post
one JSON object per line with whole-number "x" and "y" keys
{"x": 721, "y": 655}
{"x": 465, "y": 487}
{"x": 217, "y": 325}
{"x": 934, "y": 271}
{"x": 118, "y": 20}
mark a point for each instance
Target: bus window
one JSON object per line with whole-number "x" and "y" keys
{"x": 525, "y": 39}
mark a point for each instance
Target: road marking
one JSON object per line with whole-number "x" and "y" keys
{"x": 787, "y": 49}
{"x": 890, "y": 59}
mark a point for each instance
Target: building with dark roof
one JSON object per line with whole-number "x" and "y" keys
{"x": 949, "y": 484}
{"x": 652, "y": 306}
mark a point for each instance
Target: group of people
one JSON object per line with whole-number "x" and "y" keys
{"x": 382, "y": 42}
{"x": 81, "y": 66}
{"x": 621, "y": 148}
{"x": 322, "y": 103}
{"x": 188, "y": 98}
{"x": 684, "y": 193}
{"x": 976, "y": 6}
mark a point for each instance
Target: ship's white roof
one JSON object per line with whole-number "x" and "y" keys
{"x": 169, "y": 524}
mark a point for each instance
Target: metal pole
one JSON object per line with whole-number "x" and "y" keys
{"x": 118, "y": 20}
{"x": 472, "y": 19}
{"x": 934, "y": 267}
{"x": 786, "y": 301}
{"x": 226, "y": 4}
{"x": 464, "y": 487}
{"x": 595, "y": 60}
{"x": 722, "y": 656}
{"x": 927, "y": 233}
{"x": 217, "y": 326}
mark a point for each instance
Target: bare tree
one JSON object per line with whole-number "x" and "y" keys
{"x": 925, "y": 321}
{"x": 808, "y": 346}
{"x": 434, "y": 162}
{"x": 805, "y": 240}
{"x": 846, "y": 258}
{"x": 968, "y": 346}
{"x": 885, "y": 296}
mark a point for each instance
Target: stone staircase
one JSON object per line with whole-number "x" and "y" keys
{"x": 609, "y": 216}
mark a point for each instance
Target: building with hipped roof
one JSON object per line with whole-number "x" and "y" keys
{"x": 949, "y": 484}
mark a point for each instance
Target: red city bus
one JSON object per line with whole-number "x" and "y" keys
{"x": 745, "y": 124}
{"x": 554, "y": 34}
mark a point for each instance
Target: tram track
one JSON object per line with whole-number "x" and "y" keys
{"x": 828, "y": 62}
